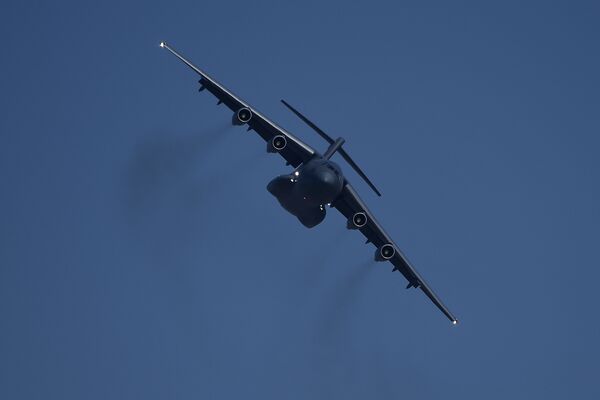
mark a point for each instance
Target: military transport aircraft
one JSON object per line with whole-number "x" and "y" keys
{"x": 316, "y": 181}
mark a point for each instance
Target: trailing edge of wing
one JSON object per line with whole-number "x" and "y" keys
{"x": 182, "y": 58}
{"x": 350, "y": 203}
{"x": 204, "y": 75}
{"x": 295, "y": 153}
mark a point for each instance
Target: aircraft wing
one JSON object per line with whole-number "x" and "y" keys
{"x": 295, "y": 152}
{"x": 349, "y": 203}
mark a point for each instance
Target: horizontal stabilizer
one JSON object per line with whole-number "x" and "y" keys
{"x": 338, "y": 148}
{"x": 309, "y": 122}
{"x": 358, "y": 170}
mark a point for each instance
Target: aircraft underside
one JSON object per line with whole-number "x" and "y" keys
{"x": 282, "y": 187}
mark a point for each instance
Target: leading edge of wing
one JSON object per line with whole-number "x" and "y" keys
{"x": 399, "y": 261}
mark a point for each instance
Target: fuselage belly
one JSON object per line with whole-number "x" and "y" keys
{"x": 305, "y": 192}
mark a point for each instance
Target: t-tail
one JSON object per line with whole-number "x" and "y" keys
{"x": 334, "y": 146}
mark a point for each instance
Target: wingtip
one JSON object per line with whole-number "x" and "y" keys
{"x": 162, "y": 44}
{"x": 454, "y": 322}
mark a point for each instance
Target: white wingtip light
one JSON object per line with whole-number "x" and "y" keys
{"x": 455, "y": 322}
{"x": 162, "y": 44}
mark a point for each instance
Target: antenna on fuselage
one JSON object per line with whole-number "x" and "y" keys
{"x": 335, "y": 145}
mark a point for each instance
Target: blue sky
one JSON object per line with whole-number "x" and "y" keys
{"x": 142, "y": 257}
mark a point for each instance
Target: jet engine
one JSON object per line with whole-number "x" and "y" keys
{"x": 357, "y": 221}
{"x": 276, "y": 144}
{"x": 241, "y": 116}
{"x": 385, "y": 252}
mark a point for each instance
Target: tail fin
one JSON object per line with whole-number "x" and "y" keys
{"x": 331, "y": 142}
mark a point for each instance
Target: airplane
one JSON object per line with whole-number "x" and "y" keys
{"x": 316, "y": 181}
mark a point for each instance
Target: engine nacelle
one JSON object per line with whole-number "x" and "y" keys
{"x": 357, "y": 221}
{"x": 385, "y": 252}
{"x": 276, "y": 144}
{"x": 241, "y": 116}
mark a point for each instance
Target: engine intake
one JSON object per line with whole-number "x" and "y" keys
{"x": 276, "y": 144}
{"x": 357, "y": 221}
{"x": 385, "y": 252}
{"x": 242, "y": 116}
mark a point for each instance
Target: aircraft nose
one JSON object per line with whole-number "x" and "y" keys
{"x": 319, "y": 186}
{"x": 328, "y": 176}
